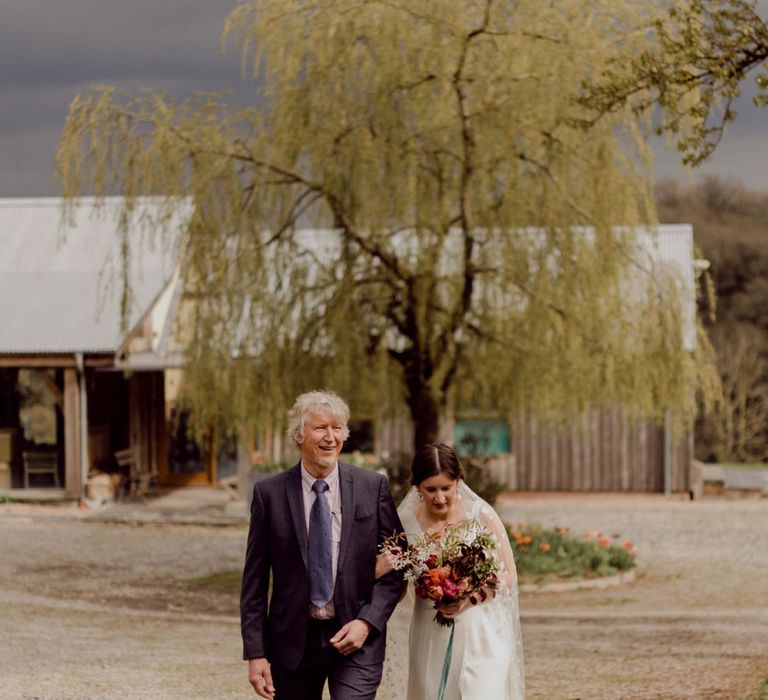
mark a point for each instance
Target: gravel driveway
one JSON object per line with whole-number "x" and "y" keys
{"x": 93, "y": 611}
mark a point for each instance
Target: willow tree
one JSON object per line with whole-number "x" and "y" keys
{"x": 412, "y": 211}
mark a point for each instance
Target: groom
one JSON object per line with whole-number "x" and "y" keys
{"x": 315, "y": 529}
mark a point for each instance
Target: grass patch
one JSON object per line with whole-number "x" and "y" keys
{"x": 760, "y": 693}
{"x": 744, "y": 465}
{"x": 546, "y": 554}
{"x": 227, "y": 581}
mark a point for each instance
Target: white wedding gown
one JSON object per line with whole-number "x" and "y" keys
{"x": 487, "y": 656}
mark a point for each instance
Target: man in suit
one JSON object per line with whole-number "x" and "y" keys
{"x": 327, "y": 614}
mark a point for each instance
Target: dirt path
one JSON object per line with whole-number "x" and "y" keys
{"x": 694, "y": 624}
{"x": 92, "y": 611}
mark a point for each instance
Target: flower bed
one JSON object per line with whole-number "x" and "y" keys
{"x": 552, "y": 554}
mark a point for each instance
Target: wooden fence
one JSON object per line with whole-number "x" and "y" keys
{"x": 602, "y": 451}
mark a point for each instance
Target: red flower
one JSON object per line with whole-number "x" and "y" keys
{"x": 450, "y": 589}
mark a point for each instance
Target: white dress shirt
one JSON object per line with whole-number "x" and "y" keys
{"x": 333, "y": 494}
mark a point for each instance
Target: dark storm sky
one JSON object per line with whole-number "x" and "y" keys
{"x": 52, "y": 49}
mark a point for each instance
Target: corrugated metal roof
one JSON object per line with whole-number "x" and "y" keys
{"x": 60, "y": 285}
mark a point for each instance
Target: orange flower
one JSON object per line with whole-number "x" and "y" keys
{"x": 434, "y": 576}
{"x": 628, "y": 544}
{"x": 604, "y": 541}
{"x": 527, "y": 539}
{"x": 595, "y": 533}
{"x": 544, "y": 547}
{"x": 517, "y": 536}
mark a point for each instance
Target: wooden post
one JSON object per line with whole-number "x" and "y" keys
{"x": 243, "y": 463}
{"x": 667, "y": 453}
{"x": 72, "y": 481}
{"x": 83, "y": 413}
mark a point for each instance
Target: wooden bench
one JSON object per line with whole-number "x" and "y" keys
{"x": 40, "y": 463}
{"x": 136, "y": 483}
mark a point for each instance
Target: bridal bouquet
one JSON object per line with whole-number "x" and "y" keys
{"x": 449, "y": 566}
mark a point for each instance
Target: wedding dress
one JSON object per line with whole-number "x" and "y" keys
{"x": 487, "y": 655}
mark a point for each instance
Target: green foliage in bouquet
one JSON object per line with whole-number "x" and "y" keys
{"x": 551, "y": 553}
{"x": 448, "y": 566}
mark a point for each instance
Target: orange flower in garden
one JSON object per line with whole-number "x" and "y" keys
{"x": 526, "y": 540}
{"x": 604, "y": 541}
{"x": 518, "y": 536}
{"x": 544, "y": 547}
{"x": 628, "y": 544}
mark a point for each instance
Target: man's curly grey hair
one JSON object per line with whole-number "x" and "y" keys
{"x": 323, "y": 402}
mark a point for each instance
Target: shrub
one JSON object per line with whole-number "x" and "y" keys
{"x": 476, "y": 474}
{"x": 547, "y": 553}
{"x": 364, "y": 460}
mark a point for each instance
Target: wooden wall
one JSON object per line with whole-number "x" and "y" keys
{"x": 146, "y": 417}
{"x": 602, "y": 451}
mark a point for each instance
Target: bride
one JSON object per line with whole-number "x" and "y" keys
{"x": 486, "y": 660}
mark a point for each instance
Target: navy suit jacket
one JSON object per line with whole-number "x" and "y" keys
{"x": 275, "y": 626}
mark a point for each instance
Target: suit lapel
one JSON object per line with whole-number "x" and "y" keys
{"x": 296, "y": 507}
{"x": 347, "y": 488}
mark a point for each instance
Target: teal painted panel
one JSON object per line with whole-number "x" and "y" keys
{"x": 490, "y": 437}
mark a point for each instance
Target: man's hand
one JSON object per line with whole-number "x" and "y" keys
{"x": 351, "y": 637}
{"x": 260, "y": 677}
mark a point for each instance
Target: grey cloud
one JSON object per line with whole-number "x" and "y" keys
{"x": 52, "y": 49}
{"x": 47, "y": 42}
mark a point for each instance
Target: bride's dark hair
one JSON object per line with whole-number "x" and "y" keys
{"x": 434, "y": 459}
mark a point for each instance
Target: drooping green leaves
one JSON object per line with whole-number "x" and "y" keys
{"x": 439, "y": 153}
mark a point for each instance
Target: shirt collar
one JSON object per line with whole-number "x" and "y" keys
{"x": 332, "y": 479}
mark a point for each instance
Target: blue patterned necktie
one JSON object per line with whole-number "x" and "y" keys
{"x": 319, "y": 556}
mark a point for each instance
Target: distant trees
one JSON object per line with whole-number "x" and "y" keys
{"x": 731, "y": 228}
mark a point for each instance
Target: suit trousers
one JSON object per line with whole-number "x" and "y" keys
{"x": 348, "y": 678}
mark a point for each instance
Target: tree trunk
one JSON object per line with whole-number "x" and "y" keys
{"x": 425, "y": 413}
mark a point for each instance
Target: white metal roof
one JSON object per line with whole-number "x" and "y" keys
{"x": 668, "y": 249}
{"x": 60, "y": 285}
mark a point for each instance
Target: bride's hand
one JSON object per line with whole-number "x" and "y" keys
{"x": 383, "y": 564}
{"x": 451, "y": 610}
